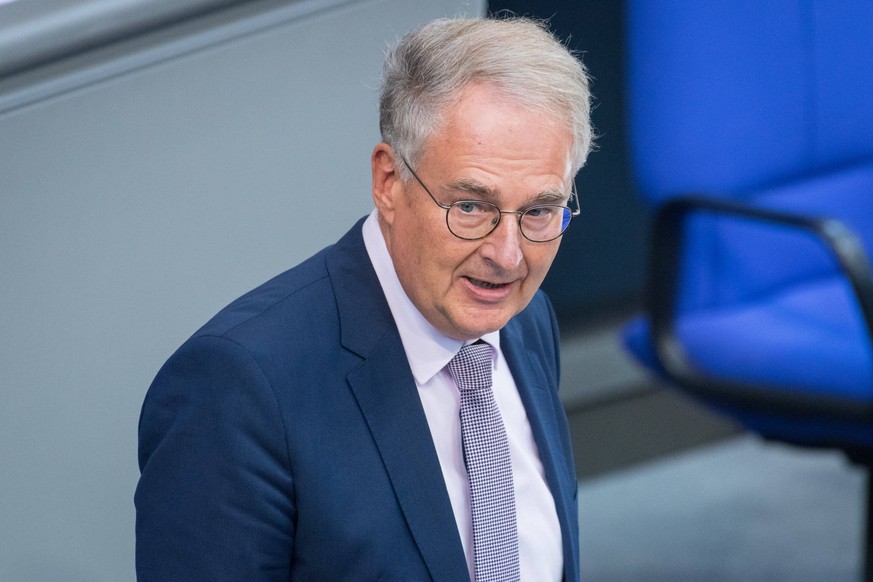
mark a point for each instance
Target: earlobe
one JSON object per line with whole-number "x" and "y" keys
{"x": 386, "y": 182}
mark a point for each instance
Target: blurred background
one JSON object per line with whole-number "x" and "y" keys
{"x": 160, "y": 158}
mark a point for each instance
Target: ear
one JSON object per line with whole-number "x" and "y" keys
{"x": 387, "y": 185}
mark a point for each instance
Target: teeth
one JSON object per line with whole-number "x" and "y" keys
{"x": 486, "y": 284}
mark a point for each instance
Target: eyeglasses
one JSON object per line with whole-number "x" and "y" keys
{"x": 476, "y": 219}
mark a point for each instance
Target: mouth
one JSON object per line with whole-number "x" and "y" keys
{"x": 486, "y": 284}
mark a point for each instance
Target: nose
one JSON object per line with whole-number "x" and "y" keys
{"x": 503, "y": 246}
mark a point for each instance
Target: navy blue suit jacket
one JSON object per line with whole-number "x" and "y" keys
{"x": 286, "y": 440}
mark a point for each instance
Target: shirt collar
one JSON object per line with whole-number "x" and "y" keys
{"x": 427, "y": 349}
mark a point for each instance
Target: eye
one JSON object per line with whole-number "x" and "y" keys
{"x": 539, "y": 211}
{"x": 470, "y": 207}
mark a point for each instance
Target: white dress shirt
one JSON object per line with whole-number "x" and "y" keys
{"x": 428, "y": 352}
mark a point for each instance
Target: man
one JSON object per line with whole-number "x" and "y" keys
{"x": 388, "y": 409}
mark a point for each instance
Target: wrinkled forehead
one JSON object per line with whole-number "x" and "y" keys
{"x": 461, "y": 109}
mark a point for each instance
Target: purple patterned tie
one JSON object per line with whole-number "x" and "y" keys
{"x": 486, "y": 453}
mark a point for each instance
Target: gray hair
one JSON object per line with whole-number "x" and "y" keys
{"x": 427, "y": 70}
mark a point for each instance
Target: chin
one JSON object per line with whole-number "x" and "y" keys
{"x": 480, "y": 328}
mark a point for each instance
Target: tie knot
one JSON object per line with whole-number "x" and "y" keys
{"x": 471, "y": 367}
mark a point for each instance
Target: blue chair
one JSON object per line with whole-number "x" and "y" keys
{"x": 751, "y": 127}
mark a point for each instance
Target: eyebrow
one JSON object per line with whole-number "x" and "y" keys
{"x": 483, "y": 192}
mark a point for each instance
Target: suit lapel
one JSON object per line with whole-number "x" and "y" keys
{"x": 390, "y": 403}
{"x": 386, "y": 393}
{"x": 539, "y": 399}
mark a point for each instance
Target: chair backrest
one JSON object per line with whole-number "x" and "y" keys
{"x": 735, "y": 95}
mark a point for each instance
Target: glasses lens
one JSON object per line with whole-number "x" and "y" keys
{"x": 472, "y": 219}
{"x": 545, "y": 223}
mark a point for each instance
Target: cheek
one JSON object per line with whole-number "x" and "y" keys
{"x": 539, "y": 262}
{"x": 441, "y": 254}
{"x": 428, "y": 260}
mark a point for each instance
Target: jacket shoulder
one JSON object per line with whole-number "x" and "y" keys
{"x": 301, "y": 286}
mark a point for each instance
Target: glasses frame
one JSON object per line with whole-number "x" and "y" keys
{"x": 574, "y": 196}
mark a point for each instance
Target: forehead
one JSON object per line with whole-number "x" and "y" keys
{"x": 486, "y": 132}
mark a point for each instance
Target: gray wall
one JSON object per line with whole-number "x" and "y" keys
{"x": 132, "y": 208}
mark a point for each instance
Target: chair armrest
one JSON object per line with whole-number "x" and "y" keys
{"x": 667, "y": 244}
